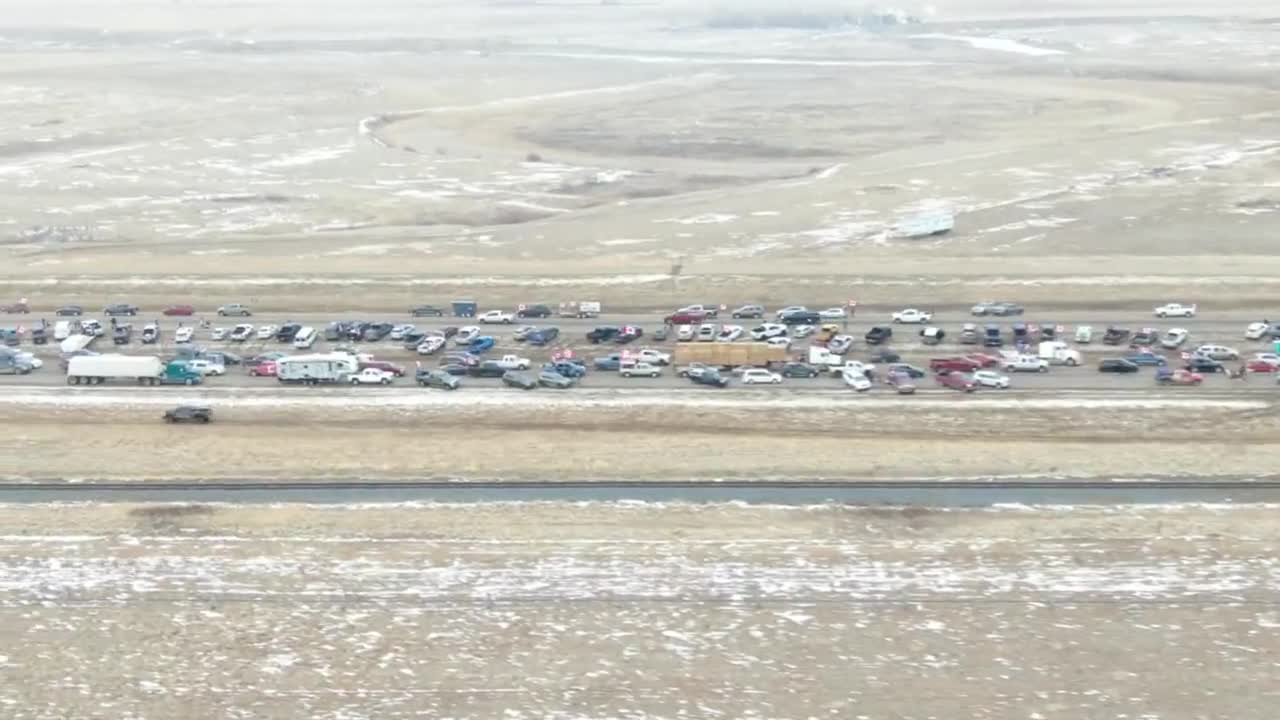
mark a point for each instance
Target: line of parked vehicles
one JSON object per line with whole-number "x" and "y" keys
{"x": 705, "y": 350}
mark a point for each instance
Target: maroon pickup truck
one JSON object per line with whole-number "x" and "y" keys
{"x": 384, "y": 366}
{"x": 956, "y": 381}
{"x": 958, "y": 364}
{"x": 685, "y": 318}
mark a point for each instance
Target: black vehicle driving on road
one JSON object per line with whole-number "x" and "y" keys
{"x": 534, "y": 311}
{"x": 1117, "y": 365}
{"x": 189, "y": 413}
{"x": 120, "y": 309}
{"x": 799, "y": 370}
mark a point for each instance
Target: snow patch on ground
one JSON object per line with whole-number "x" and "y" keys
{"x": 703, "y": 219}
{"x": 992, "y": 43}
{"x": 309, "y": 157}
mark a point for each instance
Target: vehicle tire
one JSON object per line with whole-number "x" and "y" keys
{"x": 386, "y": 381}
{"x": 1043, "y": 370}
{"x": 189, "y": 381}
{"x": 353, "y": 381}
{"x": 626, "y": 374}
{"x": 1160, "y": 315}
{"x": 71, "y": 380}
{"x": 777, "y": 381}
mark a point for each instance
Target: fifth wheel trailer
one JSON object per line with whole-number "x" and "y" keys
{"x": 316, "y": 369}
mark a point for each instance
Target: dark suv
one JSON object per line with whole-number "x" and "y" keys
{"x": 878, "y": 334}
{"x": 534, "y": 311}
{"x": 712, "y": 378}
{"x": 426, "y": 311}
{"x": 796, "y": 369}
{"x": 602, "y": 334}
{"x": 120, "y": 309}
{"x": 189, "y": 413}
{"x": 288, "y": 332}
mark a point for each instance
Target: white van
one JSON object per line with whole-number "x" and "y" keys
{"x": 305, "y": 338}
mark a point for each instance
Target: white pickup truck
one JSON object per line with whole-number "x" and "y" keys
{"x": 513, "y": 362}
{"x": 656, "y": 357}
{"x": 372, "y": 376}
{"x": 912, "y": 316}
{"x": 853, "y": 366}
{"x": 497, "y": 317}
{"x": 1175, "y": 310}
{"x": 1059, "y": 353}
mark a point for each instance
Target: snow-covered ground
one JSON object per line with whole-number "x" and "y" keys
{"x": 631, "y": 611}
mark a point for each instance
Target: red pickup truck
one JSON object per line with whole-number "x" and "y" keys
{"x": 384, "y": 366}
{"x": 984, "y": 360}
{"x": 958, "y": 364}
{"x": 957, "y": 381}
{"x": 685, "y": 318}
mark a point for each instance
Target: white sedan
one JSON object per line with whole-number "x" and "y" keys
{"x": 430, "y": 345}
{"x": 768, "y": 330}
{"x": 266, "y": 332}
{"x": 729, "y": 333}
{"x": 991, "y": 379}
{"x": 466, "y": 335}
{"x": 803, "y": 331}
{"x": 760, "y": 376}
{"x": 1256, "y": 331}
{"x": 219, "y": 333}
{"x": 399, "y": 331}
{"x": 183, "y": 334}
{"x": 1173, "y": 338}
{"x": 856, "y": 380}
{"x": 780, "y": 342}
{"x": 835, "y": 313}
{"x": 206, "y": 367}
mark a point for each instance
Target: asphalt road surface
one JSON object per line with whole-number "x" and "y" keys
{"x": 1226, "y": 329}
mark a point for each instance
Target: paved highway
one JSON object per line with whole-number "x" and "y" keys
{"x": 926, "y": 493}
{"x": 1224, "y": 328}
